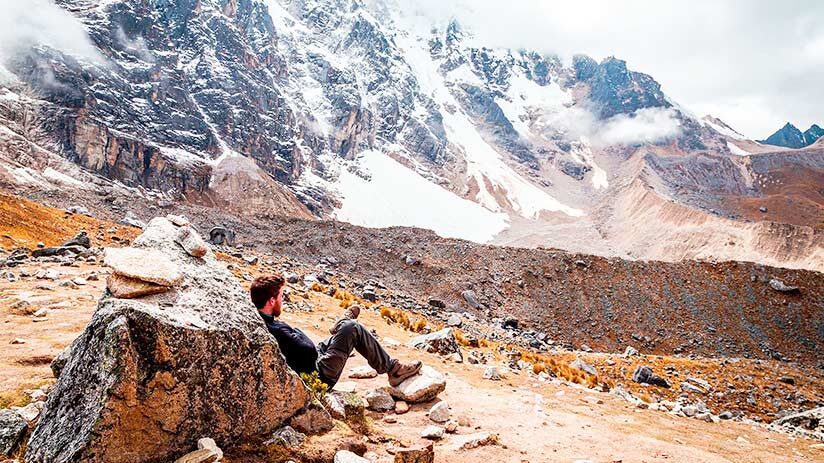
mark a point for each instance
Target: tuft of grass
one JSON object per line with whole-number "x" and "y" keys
{"x": 418, "y": 325}
{"x": 16, "y": 398}
{"x": 538, "y": 368}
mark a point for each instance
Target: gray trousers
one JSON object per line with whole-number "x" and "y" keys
{"x": 335, "y": 351}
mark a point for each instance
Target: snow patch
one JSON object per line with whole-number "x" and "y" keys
{"x": 60, "y": 177}
{"x": 734, "y": 149}
{"x": 395, "y": 195}
{"x": 722, "y": 128}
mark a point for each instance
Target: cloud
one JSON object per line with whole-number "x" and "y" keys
{"x": 648, "y": 125}
{"x": 24, "y": 24}
{"x": 708, "y": 55}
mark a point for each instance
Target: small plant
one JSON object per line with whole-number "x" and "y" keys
{"x": 316, "y": 386}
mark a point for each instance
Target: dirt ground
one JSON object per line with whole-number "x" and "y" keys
{"x": 535, "y": 421}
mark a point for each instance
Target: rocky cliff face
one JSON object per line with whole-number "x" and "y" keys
{"x": 351, "y": 110}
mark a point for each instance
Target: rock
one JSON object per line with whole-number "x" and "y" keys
{"x": 809, "y": 423}
{"x": 471, "y": 441}
{"x": 401, "y": 407}
{"x": 762, "y": 209}
{"x": 433, "y": 433}
{"x": 644, "y": 374}
{"x": 362, "y": 372}
{"x": 579, "y": 364}
{"x": 441, "y": 342}
{"x": 689, "y": 410}
{"x": 291, "y": 277}
{"x": 699, "y": 383}
{"x": 344, "y": 405}
{"x": 251, "y": 260}
{"x": 191, "y": 242}
{"x": 80, "y": 281}
{"x": 437, "y": 303}
{"x": 144, "y": 264}
{"x": 312, "y": 419}
{"x": 132, "y": 221}
{"x": 22, "y": 307}
{"x": 454, "y": 320}
{"x": 451, "y": 426}
{"x": 787, "y": 380}
{"x": 148, "y": 377}
{"x": 511, "y": 322}
{"x": 345, "y": 456}
{"x": 491, "y": 372}
{"x": 421, "y": 453}
{"x": 472, "y": 299}
{"x": 286, "y": 437}
{"x": 725, "y": 415}
{"x": 221, "y": 235}
{"x": 705, "y": 416}
{"x": 687, "y": 387}
{"x": 379, "y": 400}
{"x": 779, "y": 286}
{"x": 178, "y": 220}
{"x": 17, "y": 341}
{"x": 440, "y": 413}
{"x": 59, "y": 362}
{"x": 209, "y": 443}
{"x": 631, "y": 352}
{"x": 422, "y": 387}
{"x": 198, "y": 456}
{"x": 30, "y": 412}
{"x": 12, "y": 430}
{"x": 129, "y": 288}
{"x": 77, "y": 209}
{"x": 369, "y": 294}
{"x": 80, "y": 239}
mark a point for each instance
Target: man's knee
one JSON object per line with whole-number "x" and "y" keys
{"x": 350, "y": 327}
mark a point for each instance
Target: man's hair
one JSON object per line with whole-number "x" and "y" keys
{"x": 264, "y": 288}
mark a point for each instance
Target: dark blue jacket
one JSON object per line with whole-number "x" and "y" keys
{"x": 299, "y": 350}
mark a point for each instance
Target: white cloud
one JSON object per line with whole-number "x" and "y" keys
{"x": 726, "y": 56}
{"x": 648, "y": 125}
{"x": 28, "y": 23}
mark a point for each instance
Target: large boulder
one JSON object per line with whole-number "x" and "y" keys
{"x": 150, "y": 376}
{"x": 809, "y": 423}
{"x": 422, "y": 387}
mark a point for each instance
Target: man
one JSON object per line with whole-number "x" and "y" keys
{"x": 330, "y": 356}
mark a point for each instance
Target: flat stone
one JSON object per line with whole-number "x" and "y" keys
{"x": 343, "y": 405}
{"x": 423, "y": 387}
{"x": 363, "y": 372}
{"x": 143, "y": 264}
{"x": 129, "y": 288}
{"x": 345, "y": 456}
{"x": 379, "y": 400}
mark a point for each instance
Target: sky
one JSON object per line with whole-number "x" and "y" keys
{"x": 755, "y": 64}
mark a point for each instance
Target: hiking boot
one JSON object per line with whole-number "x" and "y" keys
{"x": 351, "y": 314}
{"x": 401, "y": 371}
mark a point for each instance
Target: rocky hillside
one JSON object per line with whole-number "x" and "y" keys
{"x": 356, "y": 111}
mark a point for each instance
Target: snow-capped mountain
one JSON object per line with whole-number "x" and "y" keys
{"x": 359, "y": 111}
